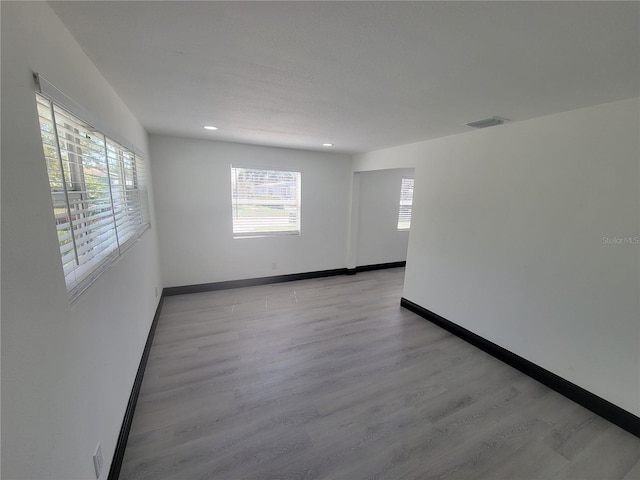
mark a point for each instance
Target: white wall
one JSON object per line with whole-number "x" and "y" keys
{"x": 192, "y": 180}
{"x": 507, "y": 240}
{"x": 379, "y": 240}
{"x": 403, "y": 156}
{"x": 67, "y": 370}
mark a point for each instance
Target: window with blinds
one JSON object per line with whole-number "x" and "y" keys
{"x": 98, "y": 192}
{"x": 265, "y": 202}
{"x": 406, "y": 204}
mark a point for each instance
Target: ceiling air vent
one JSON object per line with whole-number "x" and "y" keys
{"x": 486, "y": 122}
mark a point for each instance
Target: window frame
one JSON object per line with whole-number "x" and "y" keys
{"x": 288, "y": 202}
{"x": 405, "y": 203}
{"x": 98, "y": 191}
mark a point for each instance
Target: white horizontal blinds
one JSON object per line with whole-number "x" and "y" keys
{"x": 135, "y": 193}
{"x": 87, "y": 184}
{"x": 141, "y": 176}
{"x": 406, "y": 204}
{"x": 114, "y": 159}
{"x": 127, "y": 191}
{"x": 96, "y": 194}
{"x": 56, "y": 183}
{"x": 265, "y": 202}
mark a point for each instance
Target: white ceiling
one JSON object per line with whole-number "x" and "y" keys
{"x": 361, "y": 75}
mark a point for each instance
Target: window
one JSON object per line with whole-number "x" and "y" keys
{"x": 98, "y": 192}
{"x": 406, "y": 204}
{"x": 265, "y": 202}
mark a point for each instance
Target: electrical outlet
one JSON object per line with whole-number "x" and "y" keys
{"x": 97, "y": 460}
{"x": 274, "y": 265}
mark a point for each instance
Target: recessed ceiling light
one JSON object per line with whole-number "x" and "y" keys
{"x": 327, "y": 144}
{"x": 210, "y": 127}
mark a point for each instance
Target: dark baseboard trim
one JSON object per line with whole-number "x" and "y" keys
{"x": 121, "y": 445}
{"x": 252, "y": 282}
{"x": 380, "y": 266}
{"x": 596, "y": 404}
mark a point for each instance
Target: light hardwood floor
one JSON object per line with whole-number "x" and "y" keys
{"x": 331, "y": 379}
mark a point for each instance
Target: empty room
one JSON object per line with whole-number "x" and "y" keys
{"x": 320, "y": 240}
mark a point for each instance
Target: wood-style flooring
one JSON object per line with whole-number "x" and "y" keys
{"x": 331, "y": 379}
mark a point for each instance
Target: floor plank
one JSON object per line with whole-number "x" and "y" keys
{"x": 331, "y": 379}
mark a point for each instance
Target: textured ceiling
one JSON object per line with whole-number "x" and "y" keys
{"x": 361, "y": 75}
